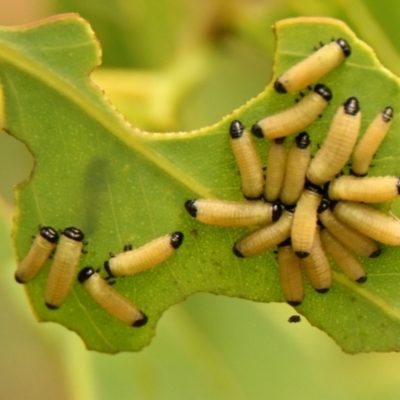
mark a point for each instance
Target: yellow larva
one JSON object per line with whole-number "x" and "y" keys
{"x": 233, "y": 213}
{"x": 248, "y": 161}
{"x": 338, "y": 144}
{"x": 343, "y": 257}
{"x": 377, "y": 189}
{"x": 290, "y": 274}
{"x": 63, "y": 268}
{"x": 351, "y": 238}
{"x": 296, "y": 168}
{"x": 42, "y": 246}
{"x": 148, "y": 256}
{"x": 264, "y": 238}
{"x": 317, "y": 267}
{"x": 370, "y": 141}
{"x": 370, "y": 222}
{"x": 313, "y": 68}
{"x": 108, "y": 298}
{"x": 275, "y": 170}
{"x": 305, "y": 220}
{"x": 296, "y": 118}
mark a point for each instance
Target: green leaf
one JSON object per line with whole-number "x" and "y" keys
{"x": 121, "y": 185}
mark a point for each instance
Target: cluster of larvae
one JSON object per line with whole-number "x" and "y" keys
{"x": 63, "y": 271}
{"x": 303, "y": 204}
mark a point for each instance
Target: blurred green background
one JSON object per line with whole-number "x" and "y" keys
{"x": 179, "y": 65}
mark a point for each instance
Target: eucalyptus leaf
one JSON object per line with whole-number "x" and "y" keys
{"x": 121, "y": 185}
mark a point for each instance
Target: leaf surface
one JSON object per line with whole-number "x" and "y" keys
{"x": 121, "y": 185}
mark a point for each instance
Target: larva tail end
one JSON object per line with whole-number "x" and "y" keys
{"x": 376, "y": 253}
{"x": 279, "y": 87}
{"x": 280, "y": 140}
{"x": 236, "y": 252}
{"x": 302, "y": 254}
{"x": 362, "y": 279}
{"x": 51, "y": 306}
{"x": 253, "y": 198}
{"x": 108, "y": 269}
{"x": 257, "y": 131}
{"x": 352, "y": 172}
{"x": 286, "y": 242}
{"x": 290, "y": 208}
{"x": 140, "y": 322}
{"x": 18, "y": 279}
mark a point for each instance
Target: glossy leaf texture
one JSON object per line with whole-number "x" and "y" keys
{"x": 121, "y": 185}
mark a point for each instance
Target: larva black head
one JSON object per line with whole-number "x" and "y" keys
{"x": 323, "y": 91}
{"x": 141, "y": 322}
{"x": 387, "y": 114}
{"x": 351, "y": 106}
{"x": 376, "y": 253}
{"x": 257, "y": 131}
{"x": 191, "y": 207}
{"x": 236, "y": 129}
{"x": 312, "y": 188}
{"x": 74, "y": 234}
{"x": 323, "y": 206}
{"x": 280, "y": 140}
{"x": 276, "y": 211}
{"x": 236, "y": 252}
{"x": 363, "y": 279}
{"x": 51, "y": 306}
{"x": 294, "y": 303}
{"x": 279, "y": 86}
{"x": 302, "y": 254}
{"x": 303, "y": 140}
{"x": 48, "y": 233}
{"x": 322, "y": 291}
{"x": 85, "y": 274}
{"x": 176, "y": 239}
{"x": 344, "y": 46}
{"x": 108, "y": 268}
{"x": 287, "y": 242}
{"x": 398, "y": 185}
